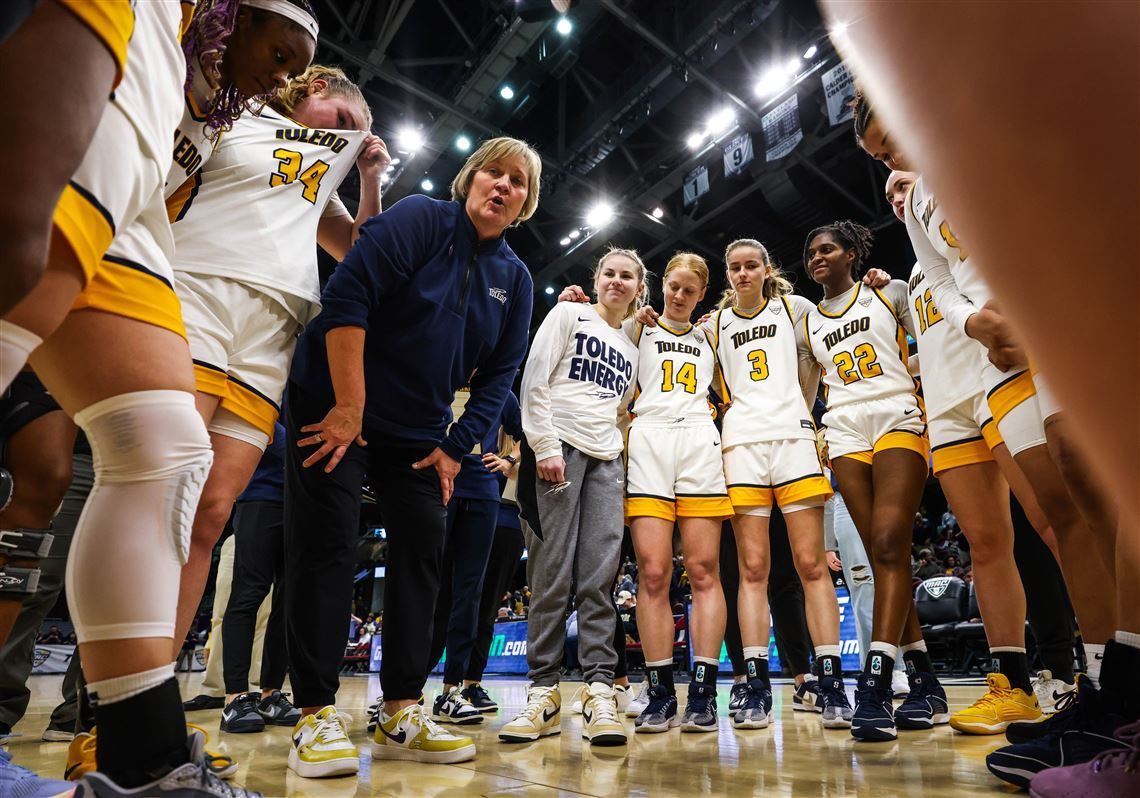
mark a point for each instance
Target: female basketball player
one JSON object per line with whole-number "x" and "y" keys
{"x": 578, "y": 380}
{"x": 876, "y": 440}
{"x": 770, "y": 458}
{"x": 674, "y": 474}
{"x": 115, "y": 358}
{"x": 269, "y": 188}
{"x": 1087, "y": 558}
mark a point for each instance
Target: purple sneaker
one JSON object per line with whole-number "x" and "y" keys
{"x": 1110, "y": 775}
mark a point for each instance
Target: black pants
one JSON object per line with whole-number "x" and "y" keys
{"x": 470, "y": 536}
{"x": 322, "y": 526}
{"x": 1048, "y": 609}
{"x": 785, "y": 596}
{"x": 502, "y": 566}
{"x": 259, "y": 565}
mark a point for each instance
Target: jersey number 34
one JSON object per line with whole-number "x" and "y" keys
{"x": 289, "y": 170}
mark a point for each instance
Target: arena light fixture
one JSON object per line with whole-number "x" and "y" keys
{"x": 565, "y": 241}
{"x": 773, "y": 81}
{"x": 409, "y": 140}
{"x": 462, "y": 143}
{"x": 506, "y": 92}
{"x": 658, "y": 212}
{"x": 810, "y": 52}
{"x": 694, "y": 140}
{"x": 600, "y": 215}
{"x": 426, "y": 184}
{"x": 719, "y": 122}
{"x": 564, "y": 26}
{"x": 574, "y": 234}
{"x": 549, "y": 290}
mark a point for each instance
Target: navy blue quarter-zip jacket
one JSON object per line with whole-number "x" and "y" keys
{"x": 437, "y": 306}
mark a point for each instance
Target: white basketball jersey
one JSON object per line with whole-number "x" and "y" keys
{"x": 674, "y": 372}
{"x": 760, "y": 374}
{"x": 254, "y": 216}
{"x": 956, "y": 286}
{"x": 192, "y": 145}
{"x": 948, "y": 358}
{"x": 861, "y": 346}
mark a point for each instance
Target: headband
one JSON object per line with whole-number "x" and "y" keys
{"x": 289, "y": 11}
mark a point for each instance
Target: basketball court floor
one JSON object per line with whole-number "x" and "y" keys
{"x": 792, "y": 757}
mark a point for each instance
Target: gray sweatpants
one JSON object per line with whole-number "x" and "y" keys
{"x": 581, "y": 540}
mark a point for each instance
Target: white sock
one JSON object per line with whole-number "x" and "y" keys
{"x": 16, "y": 346}
{"x": 120, "y": 688}
{"x": 1130, "y": 639}
{"x": 918, "y": 645}
{"x": 888, "y": 649}
{"x": 1014, "y": 649}
{"x": 755, "y": 652}
{"x": 1094, "y": 657}
{"x": 705, "y": 660}
{"x": 661, "y": 663}
{"x": 828, "y": 651}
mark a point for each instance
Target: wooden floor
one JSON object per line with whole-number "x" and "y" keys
{"x": 794, "y": 756}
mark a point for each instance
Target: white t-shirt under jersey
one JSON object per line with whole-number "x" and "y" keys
{"x": 578, "y": 381}
{"x": 261, "y": 196}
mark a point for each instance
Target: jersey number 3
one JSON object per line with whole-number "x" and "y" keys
{"x": 289, "y": 171}
{"x": 686, "y": 376}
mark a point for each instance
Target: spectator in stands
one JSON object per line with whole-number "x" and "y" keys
{"x": 949, "y": 520}
{"x": 52, "y": 637}
{"x": 927, "y": 566}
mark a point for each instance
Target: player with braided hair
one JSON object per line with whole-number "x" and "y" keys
{"x": 876, "y": 437}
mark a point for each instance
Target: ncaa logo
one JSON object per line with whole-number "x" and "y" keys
{"x": 876, "y": 664}
{"x": 937, "y": 586}
{"x": 700, "y": 674}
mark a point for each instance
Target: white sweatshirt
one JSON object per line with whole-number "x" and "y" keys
{"x": 578, "y": 382}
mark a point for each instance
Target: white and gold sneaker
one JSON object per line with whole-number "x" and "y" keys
{"x": 542, "y": 716}
{"x": 600, "y": 724}
{"x": 411, "y": 734}
{"x": 320, "y": 746}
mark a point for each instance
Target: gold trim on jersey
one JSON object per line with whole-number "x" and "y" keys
{"x": 130, "y": 290}
{"x": 810, "y": 486}
{"x": 87, "y": 226}
{"x": 650, "y": 507}
{"x": 717, "y": 507}
{"x": 736, "y": 312}
{"x": 178, "y": 203}
{"x": 991, "y": 434}
{"x": 112, "y": 22}
{"x": 960, "y": 453}
{"x": 855, "y": 296}
{"x": 864, "y": 456}
{"x": 242, "y": 400}
{"x": 1009, "y": 393}
{"x": 904, "y": 439}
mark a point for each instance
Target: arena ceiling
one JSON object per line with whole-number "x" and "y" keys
{"x": 611, "y": 106}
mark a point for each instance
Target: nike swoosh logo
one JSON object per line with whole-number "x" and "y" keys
{"x": 717, "y": 443}
{"x": 650, "y": 332}
{"x": 588, "y": 716}
{"x": 816, "y": 331}
{"x": 582, "y": 319}
{"x": 396, "y": 738}
{"x": 726, "y": 326}
{"x": 912, "y": 410}
{"x": 297, "y": 739}
{"x": 547, "y": 715}
{"x": 1056, "y": 697}
{"x": 229, "y": 715}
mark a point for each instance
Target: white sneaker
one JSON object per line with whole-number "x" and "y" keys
{"x": 639, "y": 702}
{"x": 600, "y": 724}
{"x": 541, "y": 717}
{"x": 1050, "y": 690}
{"x": 320, "y": 746}
{"x": 411, "y": 734}
{"x": 900, "y": 684}
{"x": 623, "y": 697}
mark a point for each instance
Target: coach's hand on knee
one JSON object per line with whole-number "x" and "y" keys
{"x": 334, "y": 435}
{"x": 445, "y": 467}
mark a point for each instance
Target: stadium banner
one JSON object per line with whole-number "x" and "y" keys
{"x": 48, "y": 658}
{"x": 848, "y": 641}
{"x": 737, "y": 154}
{"x": 782, "y": 131}
{"x": 839, "y": 89}
{"x": 695, "y": 185}
{"x": 507, "y": 654}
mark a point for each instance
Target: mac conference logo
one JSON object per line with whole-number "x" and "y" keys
{"x": 937, "y": 586}
{"x": 41, "y": 656}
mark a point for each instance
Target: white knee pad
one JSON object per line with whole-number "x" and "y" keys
{"x": 16, "y": 346}
{"x": 151, "y": 455}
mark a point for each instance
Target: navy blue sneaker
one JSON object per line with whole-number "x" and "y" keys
{"x": 757, "y": 706}
{"x": 479, "y": 698}
{"x": 925, "y": 705}
{"x": 660, "y": 715}
{"x": 1065, "y": 712}
{"x": 700, "y": 709}
{"x": 736, "y": 695}
{"x": 874, "y": 716}
{"x": 1076, "y": 736}
{"x": 833, "y": 703}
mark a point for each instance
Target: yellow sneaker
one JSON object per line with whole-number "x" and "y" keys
{"x": 999, "y": 707}
{"x": 320, "y": 746}
{"x": 80, "y": 757}
{"x": 411, "y": 734}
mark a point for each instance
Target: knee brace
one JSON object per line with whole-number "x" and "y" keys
{"x": 22, "y": 544}
{"x": 151, "y": 455}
